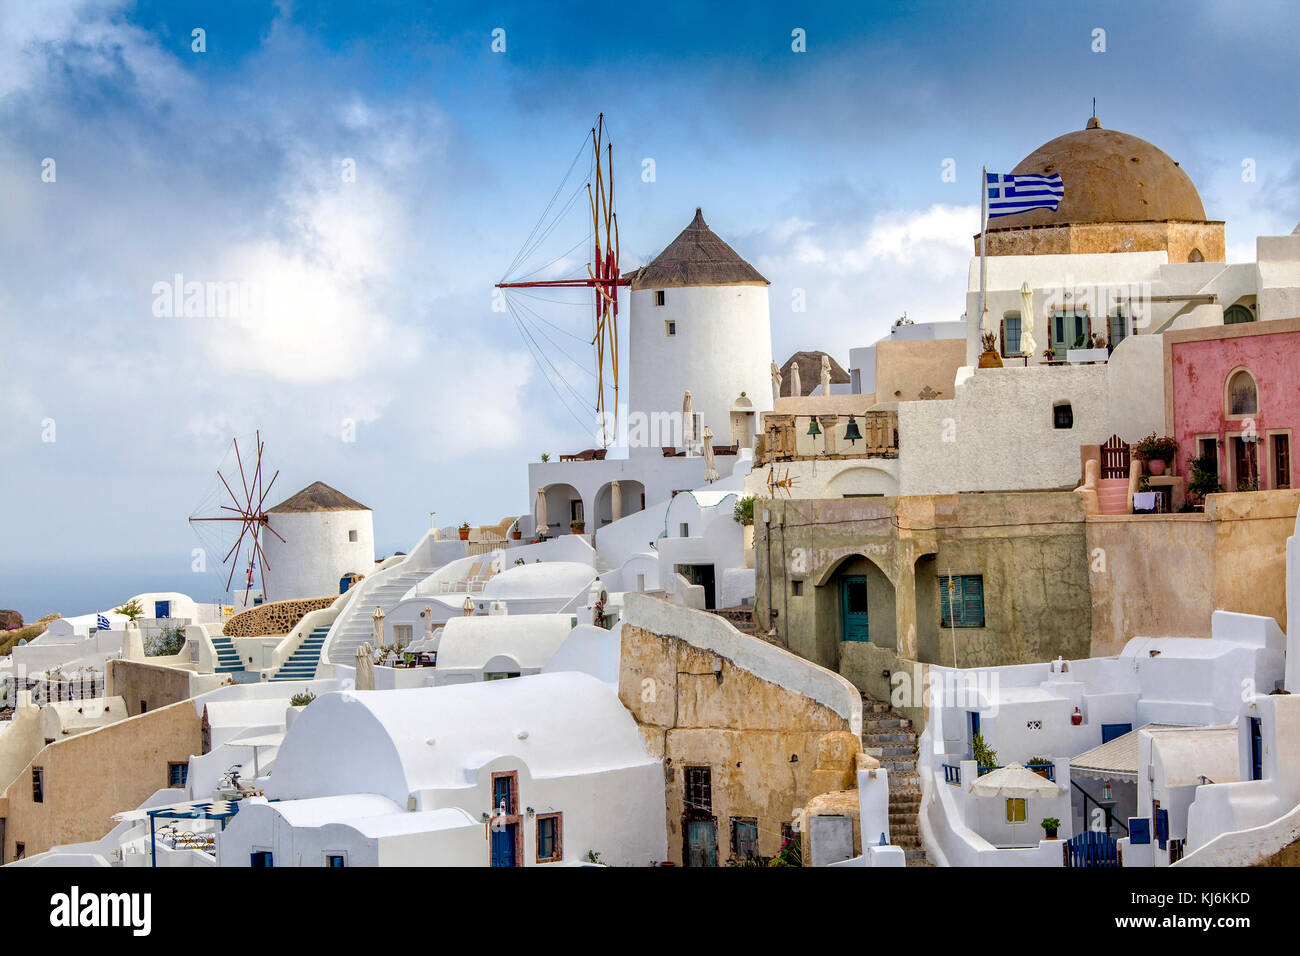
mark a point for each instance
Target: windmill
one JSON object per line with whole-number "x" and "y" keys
{"x": 602, "y": 277}
{"x": 248, "y": 511}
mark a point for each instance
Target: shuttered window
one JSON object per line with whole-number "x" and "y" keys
{"x": 961, "y": 600}
{"x": 1118, "y": 329}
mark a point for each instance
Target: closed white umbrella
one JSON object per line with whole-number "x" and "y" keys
{"x": 1027, "y": 343}
{"x": 710, "y": 471}
{"x": 688, "y": 425}
{"x": 796, "y": 387}
{"x": 377, "y": 625}
{"x": 1014, "y": 780}
{"x": 365, "y": 663}
{"x": 541, "y": 511}
{"x": 615, "y": 500}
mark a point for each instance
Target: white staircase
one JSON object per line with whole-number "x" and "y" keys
{"x": 353, "y": 626}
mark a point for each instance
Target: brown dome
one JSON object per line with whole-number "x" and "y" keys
{"x": 1108, "y": 177}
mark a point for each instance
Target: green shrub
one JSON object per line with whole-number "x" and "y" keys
{"x": 744, "y": 511}
{"x": 984, "y": 757}
{"x": 166, "y": 643}
{"x": 301, "y": 699}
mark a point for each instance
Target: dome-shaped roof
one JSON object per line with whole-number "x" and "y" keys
{"x": 1108, "y": 177}
{"x": 548, "y": 579}
{"x": 696, "y": 257}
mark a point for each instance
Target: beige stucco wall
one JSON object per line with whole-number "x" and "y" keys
{"x": 905, "y": 368}
{"x": 1179, "y": 238}
{"x": 769, "y": 747}
{"x": 154, "y": 686}
{"x": 1165, "y": 575}
{"x": 20, "y": 740}
{"x": 93, "y": 775}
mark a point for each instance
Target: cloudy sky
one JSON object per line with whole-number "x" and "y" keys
{"x": 374, "y": 360}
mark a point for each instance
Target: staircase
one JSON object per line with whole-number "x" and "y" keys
{"x": 890, "y": 739}
{"x": 301, "y": 664}
{"x": 1112, "y": 496}
{"x": 227, "y": 657}
{"x": 353, "y": 626}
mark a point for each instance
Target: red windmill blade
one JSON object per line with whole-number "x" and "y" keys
{"x": 250, "y": 514}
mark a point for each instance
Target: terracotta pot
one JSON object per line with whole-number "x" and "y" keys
{"x": 1156, "y": 466}
{"x": 464, "y": 534}
{"x": 516, "y": 535}
{"x": 990, "y": 360}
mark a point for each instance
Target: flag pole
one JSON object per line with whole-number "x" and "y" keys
{"x": 984, "y": 226}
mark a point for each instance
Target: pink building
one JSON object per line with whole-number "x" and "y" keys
{"x": 1234, "y": 391}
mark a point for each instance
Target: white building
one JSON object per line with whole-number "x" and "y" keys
{"x": 326, "y": 536}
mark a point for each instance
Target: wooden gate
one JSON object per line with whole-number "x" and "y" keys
{"x": 1091, "y": 848}
{"x": 1114, "y": 458}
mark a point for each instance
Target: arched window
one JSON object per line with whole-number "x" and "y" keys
{"x": 1195, "y": 256}
{"x": 1236, "y": 314}
{"x": 1243, "y": 399}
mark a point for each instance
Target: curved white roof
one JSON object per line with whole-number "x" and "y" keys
{"x": 398, "y": 742}
{"x": 530, "y": 639}
{"x": 548, "y": 579}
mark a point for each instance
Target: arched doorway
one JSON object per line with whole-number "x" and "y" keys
{"x": 858, "y": 600}
{"x": 631, "y": 496}
{"x": 563, "y": 505}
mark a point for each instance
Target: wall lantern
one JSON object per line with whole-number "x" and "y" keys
{"x": 1105, "y": 790}
{"x": 851, "y": 433}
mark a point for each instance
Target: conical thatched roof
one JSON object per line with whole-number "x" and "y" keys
{"x": 810, "y": 371}
{"x": 317, "y": 496}
{"x": 696, "y": 257}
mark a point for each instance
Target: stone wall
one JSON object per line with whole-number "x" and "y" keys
{"x": 278, "y": 617}
{"x": 1178, "y": 238}
{"x": 775, "y": 731}
{"x": 90, "y": 777}
{"x": 146, "y": 687}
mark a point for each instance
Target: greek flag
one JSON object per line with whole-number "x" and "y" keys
{"x": 101, "y": 623}
{"x": 1008, "y": 195}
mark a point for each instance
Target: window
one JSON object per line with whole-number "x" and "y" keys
{"x": 744, "y": 838}
{"x": 965, "y": 594}
{"x": 1118, "y": 330}
{"x": 670, "y": 328}
{"x": 144, "y": 707}
{"x": 38, "y": 785}
{"x": 1237, "y": 314}
{"x": 1281, "y": 461}
{"x": 1243, "y": 399}
{"x": 505, "y": 793}
{"x": 685, "y": 529}
{"x": 550, "y": 837}
{"x": 1209, "y": 448}
{"x": 1245, "y": 469}
{"x": 1011, "y": 334}
{"x": 1062, "y": 415}
{"x": 1070, "y": 330}
{"x": 336, "y": 859}
{"x": 1016, "y": 810}
{"x": 699, "y": 790}
{"x": 659, "y": 297}
{"x": 402, "y": 633}
{"x": 796, "y": 588}
{"x": 575, "y": 509}
{"x": 20, "y": 850}
{"x": 261, "y": 859}
{"x": 352, "y": 536}
{"x": 499, "y": 675}
{"x": 177, "y": 775}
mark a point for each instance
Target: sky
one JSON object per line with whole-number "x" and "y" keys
{"x": 365, "y": 173}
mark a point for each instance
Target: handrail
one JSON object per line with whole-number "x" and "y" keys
{"x": 1089, "y": 797}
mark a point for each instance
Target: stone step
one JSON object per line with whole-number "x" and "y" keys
{"x": 876, "y": 739}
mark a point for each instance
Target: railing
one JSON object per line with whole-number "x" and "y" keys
{"x": 952, "y": 774}
{"x": 1047, "y": 770}
{"x": 982, "y": 769}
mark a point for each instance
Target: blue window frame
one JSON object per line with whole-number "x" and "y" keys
{"x": 262, "y": 858}
{"x": 335, "y": 859}
{"x": 1110, "y": 731}
{"x": 1256, "y": 749}
{"x": 503, "y": 793}
{"x": 177, "y": 775}
{"x": 1011, "y": 334}
{"x": 961, "y": 600}
{"x": 548, "y": 838}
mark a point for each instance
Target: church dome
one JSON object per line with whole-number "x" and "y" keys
{"x": 1108, "y": 177}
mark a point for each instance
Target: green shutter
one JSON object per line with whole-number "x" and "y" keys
{"x": 972, "y": 601}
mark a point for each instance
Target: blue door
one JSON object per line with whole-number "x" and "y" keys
{"x": 503, "y": 845}
{"x": 162, "y": 608}
{"x": 853, "y": 609}
{"x": 1110, "y": 731}
{"x": 261, "y": 858}
{"x": 1256, "y": 750}
{"x": 973, "y": 721}
{"x": 701, "y": 843}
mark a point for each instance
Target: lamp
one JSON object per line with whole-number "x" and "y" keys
{"x": 851, "y": 433}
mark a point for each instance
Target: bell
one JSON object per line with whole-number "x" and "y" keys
{"x": 814, "y": 429}
{"x": 851, "y": 433}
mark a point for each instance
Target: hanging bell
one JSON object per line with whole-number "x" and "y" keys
{"x": 851, "y": 433}
{"x": 814, "y": 429}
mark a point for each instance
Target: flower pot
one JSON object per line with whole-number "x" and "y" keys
{"x": 1051, "y": 833}
{"x": 577, "y": 527}
{"x": 990, "y": 360}
{"x": 464, "y": 534}
{"x": 1156, "y": 466}
{"x": 516, "y": 535}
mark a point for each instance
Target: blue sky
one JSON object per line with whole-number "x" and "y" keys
{"x": 822, "y": 168}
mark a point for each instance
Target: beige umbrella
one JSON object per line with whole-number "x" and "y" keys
{"x": 1014, "y": 780}
{"x": 688, "y": 424}
{"x": 710, "y": 470}
{"x": 615, "y": 500}
{"x": 1027, "y": 343}
{"x": 365, "y": 661}
{"x": 796, "y": 386}
{"x": 542, "y": 526}
{"x": 377, "y": 625}
{"x": 468, "y": 606}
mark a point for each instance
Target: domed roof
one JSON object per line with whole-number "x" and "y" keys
{"x": 1108, "y": 177}
{"x": 696, "y": 257}
{"x": 547, "y": 579}
{"x": 317, "y": 496}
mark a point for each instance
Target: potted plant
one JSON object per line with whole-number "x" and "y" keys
{"x": 577, "y": 525}
{"x": 990, "y": 357}
{"x": 1049, "y": 353}
{"x": 464, "y": 531}
{"x": 515, "y": 532}
{"x": 545, "y": 457}
{"x": 1050, "y": 826}
{"x": 1204, "y": 477}
{"x": 1038, "y": 765}
{"x": 1157, "y": 452}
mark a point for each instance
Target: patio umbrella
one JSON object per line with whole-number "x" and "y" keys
{"x": 542, "y": 526}
{"x": 615, "y": 500}
{"x": 796, "y": 387}
{"x": 377, "y": 625}
{"x": 1014, "y": 780}
{"x": 365, "y": 661}
{"x": 468, "y": 606}
{"x": 1027, "y": 343}
{"x": 710, "y": 472}
{"x": 688, "y": 426}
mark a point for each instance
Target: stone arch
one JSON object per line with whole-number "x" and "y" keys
{"x": 882, "y": 611}
{"x": 631, "y": 493}
{"x": 560, "y": 497}
{"x": 862, "y": 481}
